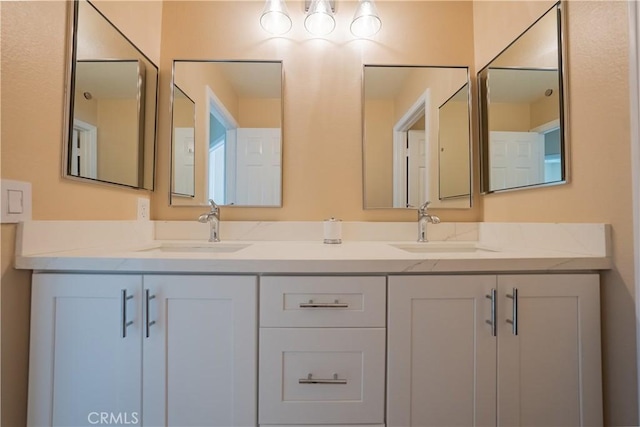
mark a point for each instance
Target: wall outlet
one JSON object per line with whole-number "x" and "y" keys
{"x": 144, "y": 208}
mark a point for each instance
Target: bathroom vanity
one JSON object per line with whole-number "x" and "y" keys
{"x": 481, "y": 326}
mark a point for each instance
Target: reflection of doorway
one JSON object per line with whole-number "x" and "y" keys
{"x": 84, "y": 150}
{"x": 552, "y": 150}
{"x": 217, "y": 154}
{"x": 411, "y": 156}
{"x": 221, "y": 159}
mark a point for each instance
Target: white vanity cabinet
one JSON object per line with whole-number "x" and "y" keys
{"x": 483, "y": 350}
{"x": 322, "y": 350}
{"x": 143, "y": 349}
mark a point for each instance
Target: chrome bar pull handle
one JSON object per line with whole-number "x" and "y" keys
{"x": 148, "y": 321}
{"x": 492, "y": 322}
{"x": 311, "y": 380}
{"x": 335, "y": 304}
{"x": 123, "y": 311}
{"x": 514, "y": 320}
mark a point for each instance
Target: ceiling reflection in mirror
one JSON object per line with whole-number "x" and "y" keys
{"x": 237, "y": 133}
{"x": 416, "y": 136}
{"x": 523, "y": 137}
{"x": 111, "y": 105}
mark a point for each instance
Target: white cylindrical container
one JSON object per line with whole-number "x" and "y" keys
{"x": 332, "y": 231}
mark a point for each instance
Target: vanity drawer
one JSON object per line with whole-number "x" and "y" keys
{"x": 327, "y": 301}
{"x": 347, "y": 368}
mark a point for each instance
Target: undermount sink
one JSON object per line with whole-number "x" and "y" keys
{"x": 451, "y": 247}
{"x": 198, "y": 247}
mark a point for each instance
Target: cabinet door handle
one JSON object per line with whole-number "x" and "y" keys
{"x": 123, "y": 305}
{"x": 147, "y": 314}
{"x": 335, "y": 304}
{"x": 492, "y": 322}
{"x": 311, "y": 380}
{"x": 514, "y": 320}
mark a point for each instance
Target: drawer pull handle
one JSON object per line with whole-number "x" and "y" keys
{"x": 311, "y": 380}
{"x": 123, "y": 311}
{"x": 335, "y": 304}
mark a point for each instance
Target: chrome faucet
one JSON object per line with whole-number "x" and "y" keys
{"x": 213, "y": 218}
{"x": 423, "y": 219}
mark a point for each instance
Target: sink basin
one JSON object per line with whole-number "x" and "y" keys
{"x": 441, "y": 247}
{"x": 199, "y": 247}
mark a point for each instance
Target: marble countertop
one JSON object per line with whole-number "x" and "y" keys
{"x": 494, "y": 248}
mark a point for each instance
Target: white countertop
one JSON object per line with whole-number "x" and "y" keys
{"x": 503, "y": 248}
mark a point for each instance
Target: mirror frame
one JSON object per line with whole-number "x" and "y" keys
{"x": 469, "y": 85}
{"x": 73, "y": 16}
{"x": 484, "y": 102}
{"x": 282, "y": 132}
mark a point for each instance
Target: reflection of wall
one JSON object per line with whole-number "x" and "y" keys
{"x": 510, "y": 117}
{"x": 379, "y": 153}
{"x": 117, "y": 140}
{"x": 259, "y": 113}
{"x": 32, "y": 72}
{"x": 523, "y": 117}
{"x": 600, "y": 183}
{"x": 454, "y": 149}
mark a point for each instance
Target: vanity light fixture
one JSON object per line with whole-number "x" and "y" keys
{"x": 320, "y": 20}
{"x": 366, "y": 21}
{"x": 275, "y": 17}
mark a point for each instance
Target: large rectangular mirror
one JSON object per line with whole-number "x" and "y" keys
{"x": 236, "y": 136}
{"x": 416, "y": 136}
{"x": 111, "y": 104}
{"x": 523, "y": 112}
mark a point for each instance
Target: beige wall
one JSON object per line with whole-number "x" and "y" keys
{"x": 453, "y": 141}
{"x": 322, "y": 149}
{"x": 32, "y": 73}
{"x": 118, "y": 140}
{"x": 600, "y": 183}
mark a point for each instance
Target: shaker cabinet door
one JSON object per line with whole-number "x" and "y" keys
{"x": 549, "y": 370}
{"x": 441, "y": 351}
{"x": 85, "y": 350}
{"x": 200, "y": 353}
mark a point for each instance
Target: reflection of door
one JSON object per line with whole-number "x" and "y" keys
{"x": 258, "y": 166}
{"x": 184, "y": 150}
{"x": 417, "y": 168}
{"x": 516, "y": 159}
{"x": 84, "y": 151}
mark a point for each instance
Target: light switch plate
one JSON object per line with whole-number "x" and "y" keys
{"x": 15, "y": 201}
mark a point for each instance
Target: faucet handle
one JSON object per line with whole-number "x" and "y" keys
{"x": 423, "y": 207}
{"x": 214, "y": 207}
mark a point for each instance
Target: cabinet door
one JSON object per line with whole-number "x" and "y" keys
{"x": 84, "y": 359}
{"x": 549, "y": 374}
{"x": 441, "y": 352}
{"x": 200, "y": 356}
